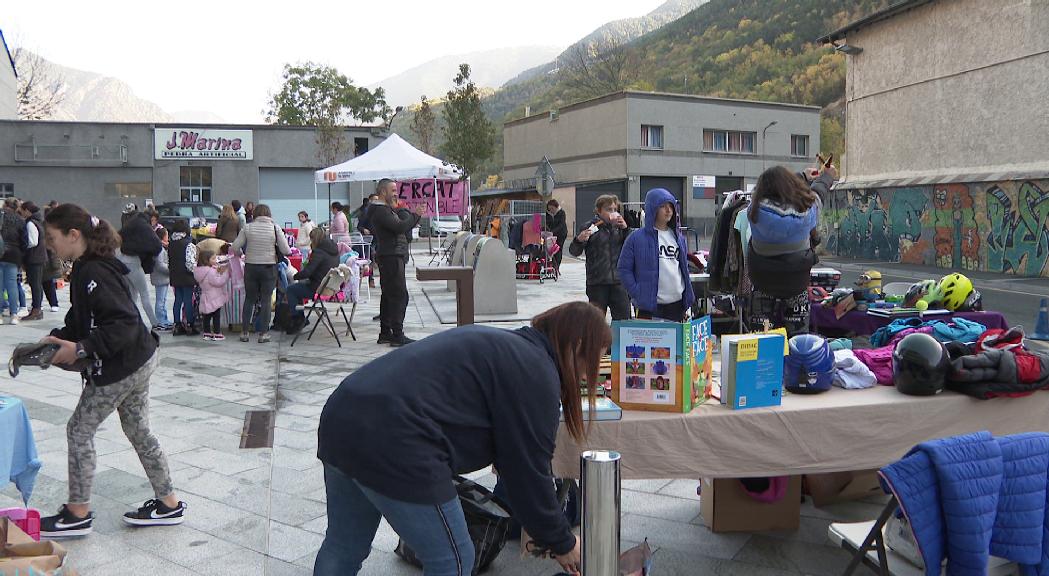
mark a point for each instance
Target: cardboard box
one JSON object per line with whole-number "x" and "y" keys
{"x": 20, "y": 554}
{"x": 726, "y": 507}
{"x": 835, "y": 487}
{"x": 661, "y": 366}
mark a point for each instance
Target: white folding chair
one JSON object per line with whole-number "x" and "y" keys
{"x": 330, "y": 288}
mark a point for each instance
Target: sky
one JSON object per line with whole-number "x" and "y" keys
{"x": 226, "y": 56}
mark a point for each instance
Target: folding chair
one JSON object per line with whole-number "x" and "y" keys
{"x": 330, "y": 288}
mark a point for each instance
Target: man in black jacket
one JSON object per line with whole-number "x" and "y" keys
{"x": 389, "y": 228}
{"x": 602, "y": 240}
{"x": 555, "y": 223}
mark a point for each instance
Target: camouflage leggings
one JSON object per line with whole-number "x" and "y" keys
{"x": 130, "y": 398}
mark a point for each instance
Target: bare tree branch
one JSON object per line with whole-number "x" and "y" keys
{"x": 594, "y": 69}
{"x": 41, "y": 89}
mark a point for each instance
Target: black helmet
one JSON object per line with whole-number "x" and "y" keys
{"x": 919, "y": 365}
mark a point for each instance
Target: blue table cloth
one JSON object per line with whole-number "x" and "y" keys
{"x": 18, "y": 459}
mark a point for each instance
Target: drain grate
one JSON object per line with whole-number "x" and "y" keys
{"x": 258, "y": 429}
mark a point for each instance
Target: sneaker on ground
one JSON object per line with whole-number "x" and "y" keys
{"x": 207, "y": 336}
{"x": 398, "y": 341}
{"x": 155, "y": 513}
{"x": 65, "y": 524}
{"x": 13, "y": 320}
{"x": 164, "y": 328}
{"x": 22, "y": 311}
{"x": 56, "y": 309}
{"x": 218, "y": 337}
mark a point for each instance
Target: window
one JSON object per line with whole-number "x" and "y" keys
{"x": 728, "y": 141}
{"x": 360, "y": 146}
{"x": 7, "y": 190}
{"x": 195, "y": 184}
{"x": 209, "y": 211}
{"x": 652, "y": 137}
{"x": 799, "y": 145}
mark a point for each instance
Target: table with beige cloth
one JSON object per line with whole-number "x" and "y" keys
{"x": 835, "y": 431}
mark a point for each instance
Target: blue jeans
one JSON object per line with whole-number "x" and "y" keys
{"x": 298, "y": 292}
{"x": 160, "y": 307}
{"x": 437, "y": 534}
{"x": 9, "y": 281}
{"x": 183, "y": 312}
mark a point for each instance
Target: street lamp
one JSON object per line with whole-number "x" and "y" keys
{"x": 763, "y": 153}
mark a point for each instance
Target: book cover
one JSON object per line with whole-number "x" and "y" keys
{"x": 604, "y": 410}
{"x": 752, "y": 370}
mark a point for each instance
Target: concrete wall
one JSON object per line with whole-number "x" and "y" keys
{"x": 989, "y": 226}
{"x": 8, "y": 88}
{"x": 951, "y": 87}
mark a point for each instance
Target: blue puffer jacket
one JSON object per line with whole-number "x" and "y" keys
{"x": 639, "y": 262}
{"x": 967, "y": 497}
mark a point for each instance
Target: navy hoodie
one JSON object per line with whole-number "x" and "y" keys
{"x": 639, "y": 260}
{"x": 454, "y": 402}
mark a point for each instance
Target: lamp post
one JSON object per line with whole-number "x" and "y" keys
{"x": 763, "y": 153}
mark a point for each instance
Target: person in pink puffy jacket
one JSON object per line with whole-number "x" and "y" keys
{"x": 211, "y": 274}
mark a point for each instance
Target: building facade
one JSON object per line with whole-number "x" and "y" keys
{"x": 947, "y": 133}
{"x": 629, "y": 142}
{"x": 8, "y": 82}
{"x": 103, "y": 166}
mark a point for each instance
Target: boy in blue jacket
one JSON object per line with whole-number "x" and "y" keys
{"x": 653, "y": 265}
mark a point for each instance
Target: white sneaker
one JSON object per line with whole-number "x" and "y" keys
{"x": 22, "y": 312}
{"x": 13, "y": 320}
{"x": 1, "y": 320}
{"x": 56, "y": 309}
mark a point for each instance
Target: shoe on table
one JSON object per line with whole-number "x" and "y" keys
{"x": 155, "y": 513}
{"x": 398, "y": 341}
{"x": 65, "y": 524}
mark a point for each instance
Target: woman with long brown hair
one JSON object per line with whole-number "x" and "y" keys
{"x": 229, "y": 224}
{"x": 397, "y": 429}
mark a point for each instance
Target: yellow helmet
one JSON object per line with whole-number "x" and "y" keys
{"x": 869, "y": 279}
{"x": 954, "y": 288}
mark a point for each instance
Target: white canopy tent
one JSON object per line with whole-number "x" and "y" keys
{"x": 395, "y": 159}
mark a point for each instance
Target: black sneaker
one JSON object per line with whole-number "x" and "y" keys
{"x": 398, "y": 341}
{"x": 155, "y": 513}
{"x": 384, "y": 338}
{"x": 65, "y": 524}
{"x": 180, "y": 330}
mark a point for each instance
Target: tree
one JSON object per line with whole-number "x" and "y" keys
{"x": 468, "y": 135}
{"x": 424, "y": 124}
{"x": 41, "y": 89}
{"x": 591, "y": 69}
{"x": 320, "y": 96}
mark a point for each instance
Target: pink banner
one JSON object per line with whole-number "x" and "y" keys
{"x": 451, "y": 196}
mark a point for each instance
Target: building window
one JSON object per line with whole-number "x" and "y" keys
{"x": 195, "y": 183}
{"x": 360, "y": 146}
{"x": 728, "y": 141}
{"x": 652, "y": 137}
{"x": 799, "y": 145}
{"x": 129, "y": 190}
{"x": 7, "y": 190}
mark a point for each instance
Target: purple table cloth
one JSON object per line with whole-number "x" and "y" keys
{"x": 822, "y": 321}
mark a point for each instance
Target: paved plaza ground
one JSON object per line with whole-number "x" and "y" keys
{"x": 261, "y": 511}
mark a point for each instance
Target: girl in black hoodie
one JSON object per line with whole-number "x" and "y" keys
{"x": 104, "y": 335}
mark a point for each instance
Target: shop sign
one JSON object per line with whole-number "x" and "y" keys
{"x": 202, "y": 144}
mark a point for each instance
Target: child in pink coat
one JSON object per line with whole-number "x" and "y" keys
{"x": 211, "y": 274}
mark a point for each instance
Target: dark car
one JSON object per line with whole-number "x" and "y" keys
{"x": 196, "y": 214}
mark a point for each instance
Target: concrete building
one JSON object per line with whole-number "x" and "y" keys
{"x": 105, "y": 165}
{"x": 8, "y": 82}
{"x": 947, "y": 128}
{"x": 627, "y": 143}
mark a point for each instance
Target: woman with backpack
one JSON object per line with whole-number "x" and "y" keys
{"x": 263, "y": 244}
{"x": 104, "y": 336}
{"x": 488, "y": 396}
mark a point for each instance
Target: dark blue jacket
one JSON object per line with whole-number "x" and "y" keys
{"x": 452, "y": 403}
{"x": 970, "y": 496}
{"x": 639, "y": 260}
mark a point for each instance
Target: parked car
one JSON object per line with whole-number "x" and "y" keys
{"x": 441, "y": 225}
{"x": 199, "y": 215}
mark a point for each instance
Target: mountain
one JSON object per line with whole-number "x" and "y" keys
{"x": 92, "y": 97}
{"x": 488, "y": 68}
{"x": 618, "y": 31}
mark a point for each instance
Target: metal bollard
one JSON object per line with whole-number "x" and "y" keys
{"x": 600, "y": 478}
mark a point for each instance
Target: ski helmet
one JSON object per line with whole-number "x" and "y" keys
{"x": 919, "y": 365}
{"x": 809, "y": 368}
{"x": 973, "y": 303}
{"x": 955, "y": 288}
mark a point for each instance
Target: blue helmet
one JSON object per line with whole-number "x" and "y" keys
{"x": 809, "y": 368}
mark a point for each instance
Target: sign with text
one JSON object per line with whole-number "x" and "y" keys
{"x": 202, "y": 144}
{"x": 703, "y": 187}
{"x": 447, "y": 198}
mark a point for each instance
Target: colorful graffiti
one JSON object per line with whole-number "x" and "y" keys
{"x": 995, "y": 226}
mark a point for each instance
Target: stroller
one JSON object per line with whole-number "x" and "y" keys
{"x": 534, "y": 249}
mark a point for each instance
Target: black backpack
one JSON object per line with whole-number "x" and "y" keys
{"x": 487, "y": 520}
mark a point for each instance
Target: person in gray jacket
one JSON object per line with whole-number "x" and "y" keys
{"x": 263, "y": 244}
{"x": 161, "y": 281}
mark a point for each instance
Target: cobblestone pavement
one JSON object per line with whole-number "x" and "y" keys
{"x": 261, "y": 511}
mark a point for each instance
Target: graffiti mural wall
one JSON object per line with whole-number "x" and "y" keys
{"x": 988, "y": 226}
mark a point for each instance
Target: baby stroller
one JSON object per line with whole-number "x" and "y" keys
{"x": 534, "y": 249}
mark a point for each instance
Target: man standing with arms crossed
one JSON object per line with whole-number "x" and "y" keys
{"x": 389, "y": 227}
